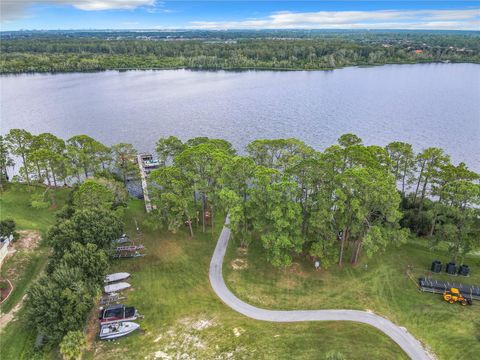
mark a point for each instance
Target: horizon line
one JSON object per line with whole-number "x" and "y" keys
{"x": 246, "y": 30}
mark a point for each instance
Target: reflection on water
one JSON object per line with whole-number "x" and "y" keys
{"x": 426, "y": 105}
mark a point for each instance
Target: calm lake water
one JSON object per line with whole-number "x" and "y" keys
{"x": 426, "y": 105}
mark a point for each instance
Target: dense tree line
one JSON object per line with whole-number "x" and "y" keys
{"x": 334, "y": 204}
{"x": 59, "y": 303}
{"x": 346, "y": 200}
{"x": 61, "y": 300}
{"x": 48, "y": 159}
{"x": 63, "y": 52}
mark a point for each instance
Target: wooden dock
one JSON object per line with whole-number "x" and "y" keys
{"x": 143, "y": 177}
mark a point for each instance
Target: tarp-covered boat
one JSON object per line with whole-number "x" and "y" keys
{"x": 439, "y": 286}
{"x": 122, "y": 239}
{"x": 118, "y": 312}
{"x": 116, "y": 330}
{"x": 116, "y": 277}
{"x": 116, "y": 287}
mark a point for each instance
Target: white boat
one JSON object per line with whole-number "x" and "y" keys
{"x": 116, "y": 330}
{"x": 116, "y": 277}
{"x": 122, "y": 239}
{"x": 116, "y": 287}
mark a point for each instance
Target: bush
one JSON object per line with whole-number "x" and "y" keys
{"x": 7, "y": 228}
{"x": 72, "y": 345}
{"x": 60, "y": 302}
{"x": 38, "y": 201}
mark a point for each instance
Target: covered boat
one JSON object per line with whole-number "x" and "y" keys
{"x": 116, "y": 277}
{"x": 116, "y": 330}
{"x": 116, "y": 287}
{"x": 118, "y": 312}
{"x": 122, "y": 239}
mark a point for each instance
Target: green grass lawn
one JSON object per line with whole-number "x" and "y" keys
{"x": 15, "y": 204}
{"x": 383, "y": 287}
{"x": 184, "y": 316}
{"x": 25, "y": 265}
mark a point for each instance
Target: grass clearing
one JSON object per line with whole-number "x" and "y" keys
{"x": 184, "y": 318}
{"x": 385, "y": 285}
{"x": 28, "y": 261}
{"x": 15, "y": 204}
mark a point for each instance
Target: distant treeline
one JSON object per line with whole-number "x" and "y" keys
{"x": 300, "y": 50}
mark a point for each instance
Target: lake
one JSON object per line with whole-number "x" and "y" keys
{"x": 423, "y": 104}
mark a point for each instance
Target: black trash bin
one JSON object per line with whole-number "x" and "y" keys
{"x": 436, "y": 266}
{"x": 451, "y": 268}
{"x": 463, "y": 270}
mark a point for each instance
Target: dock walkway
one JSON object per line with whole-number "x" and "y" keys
{"x": 143, "y": 177}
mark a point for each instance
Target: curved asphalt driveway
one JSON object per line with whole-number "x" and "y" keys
{"x": 402, "y": 337}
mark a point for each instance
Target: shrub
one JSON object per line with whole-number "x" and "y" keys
{"x": 72, "y": 345}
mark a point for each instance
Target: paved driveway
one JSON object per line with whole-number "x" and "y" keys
{"x": 401, "y": 336}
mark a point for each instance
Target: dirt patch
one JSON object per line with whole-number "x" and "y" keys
{"x": 6, "y": 318}
{"x": 295, "y": 268}
{"x": 242, "y": 251}
{"x": 92, "y": 329}
{"x": 198, "y": 325}
{"x": 189, "y": 339}
{"x": 239, "y": 264}
{"x": 168, "y": 251}
{"x": 181, "y": 341}
{"x": 238, "y": 331}
{"x": 288, "y": 282}
{"x": 202, "y": 324}
{"x": 28, "y": 240}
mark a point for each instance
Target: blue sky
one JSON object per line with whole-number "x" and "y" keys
{"x": 155, "y": 14}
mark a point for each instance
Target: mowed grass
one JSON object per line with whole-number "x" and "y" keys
{"x": 24, "y": 266}
{"x": 15, "y": 204}
{"x": 385, "y": 284}
{"x": 184, "y": 319}
{"x": 17, "y": 339}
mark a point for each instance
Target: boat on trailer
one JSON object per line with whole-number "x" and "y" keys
{"x": 124, "y": 239}
{"x": 118, "y": 329}
{"x": 116, "y": 277}
{"x": 111, "y": 298}
{"x": 113, "y": 288}
{"x": 126, "y": 255}
{"x": 118, "y": 312}
{"x": 130, "y": 248}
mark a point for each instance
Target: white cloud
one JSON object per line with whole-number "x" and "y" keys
{"x": 15, "y": 9}
{"x": 467, "y": 19}
{"x": 90, "y": 5}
